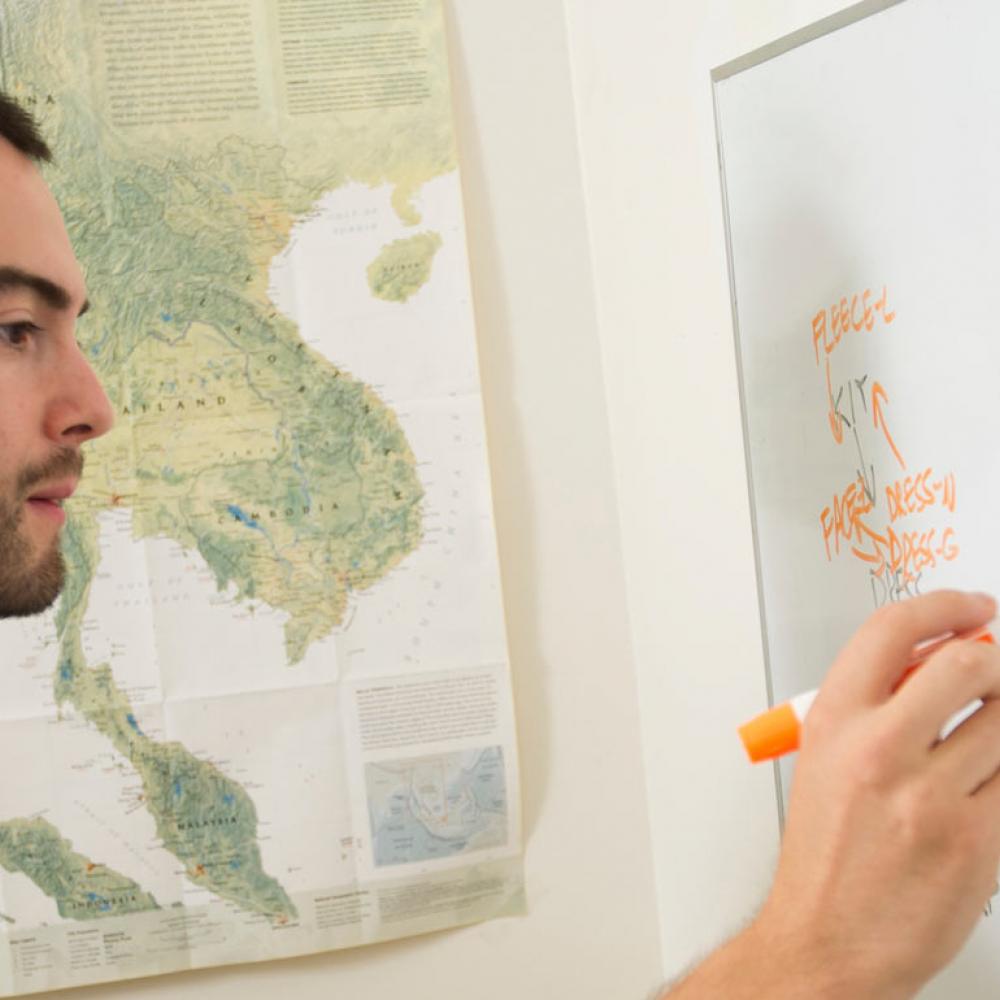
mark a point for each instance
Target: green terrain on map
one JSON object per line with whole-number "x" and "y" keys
{"x": 81, "y": 888}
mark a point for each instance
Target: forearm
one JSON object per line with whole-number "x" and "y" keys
{"x": 758, "y": 963}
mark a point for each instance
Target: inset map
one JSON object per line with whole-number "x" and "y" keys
{"x": 428, "y": 808}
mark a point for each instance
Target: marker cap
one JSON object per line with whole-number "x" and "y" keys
{"x": 772, "y": 734}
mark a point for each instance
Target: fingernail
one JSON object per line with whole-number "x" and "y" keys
{"x": 986, "y": 599}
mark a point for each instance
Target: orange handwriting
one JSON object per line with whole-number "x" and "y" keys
{"x": 833, "y": 414}
{"x": 895, "y": 558}
{"x": 915, "y": 494}
{"x": 904, "y": 556}
{"x": 841, "y": 411}
{"x": 843, "y": 519}
{"x": 830, "y": 325}
{"x": 877, "y": 393}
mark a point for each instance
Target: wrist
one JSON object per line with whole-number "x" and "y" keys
{"x": 803, "y": 961}
{"x": 786, "y": 960}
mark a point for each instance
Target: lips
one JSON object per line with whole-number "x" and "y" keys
{"x": 47, "y": 501}
{"x": 55, "y": 492}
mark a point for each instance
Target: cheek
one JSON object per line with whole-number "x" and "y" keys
{"x": 20, "y": 425}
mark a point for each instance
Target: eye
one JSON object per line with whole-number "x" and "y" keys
{"x": 16, "y": 335}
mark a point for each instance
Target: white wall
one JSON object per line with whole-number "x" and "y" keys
{"x": 644, "y": 101}
{"x": 591, "y": 932}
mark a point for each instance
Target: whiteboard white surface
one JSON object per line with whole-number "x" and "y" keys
{"x": 591, "y": 929}
{"x": 852, "y": 166}
{"x": 860, "y": 172}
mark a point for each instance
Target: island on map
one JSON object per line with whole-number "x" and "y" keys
{"x": 403, "y": 267}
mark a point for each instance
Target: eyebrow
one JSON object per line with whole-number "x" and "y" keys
{"x": 48, "y": 291}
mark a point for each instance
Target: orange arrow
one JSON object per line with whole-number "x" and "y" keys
{"x": 877, "y": 391}
{"x": 879, "y": 543}
{"x": 836, "y": 424}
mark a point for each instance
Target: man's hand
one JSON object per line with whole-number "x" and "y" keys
{"x": 893, "y": 837}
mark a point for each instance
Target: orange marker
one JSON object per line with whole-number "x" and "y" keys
{"x": 778, "y": 730}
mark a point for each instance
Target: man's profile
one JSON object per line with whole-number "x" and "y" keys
{"x": 50, "y": 399}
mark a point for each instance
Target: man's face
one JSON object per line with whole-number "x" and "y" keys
{"x": 50, "y": 399}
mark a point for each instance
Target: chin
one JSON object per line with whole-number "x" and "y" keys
{"x": 33, "y": 591}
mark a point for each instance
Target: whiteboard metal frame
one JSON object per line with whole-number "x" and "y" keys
{"x": 825, "y": 26}
{"x": 850, "y": 15}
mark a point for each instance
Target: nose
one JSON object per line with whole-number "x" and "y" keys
{"x": 80, "y": 408}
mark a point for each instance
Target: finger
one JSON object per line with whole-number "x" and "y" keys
{"x": 970, "y": 756}
{"x": 957, "y": 674}
{"x": 873, "y": 661}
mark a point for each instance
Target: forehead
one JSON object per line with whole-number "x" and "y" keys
{"x": 33, "y": 237}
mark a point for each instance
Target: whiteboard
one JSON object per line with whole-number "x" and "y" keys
{"x": 860, "y": 162}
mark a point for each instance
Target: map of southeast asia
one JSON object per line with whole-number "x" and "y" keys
{"x": 270, "y": 713}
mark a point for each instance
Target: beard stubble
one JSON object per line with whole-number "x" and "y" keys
{"x": 30, "y": 581}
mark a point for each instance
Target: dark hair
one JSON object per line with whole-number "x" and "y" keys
{"x": 20, "y": 129}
